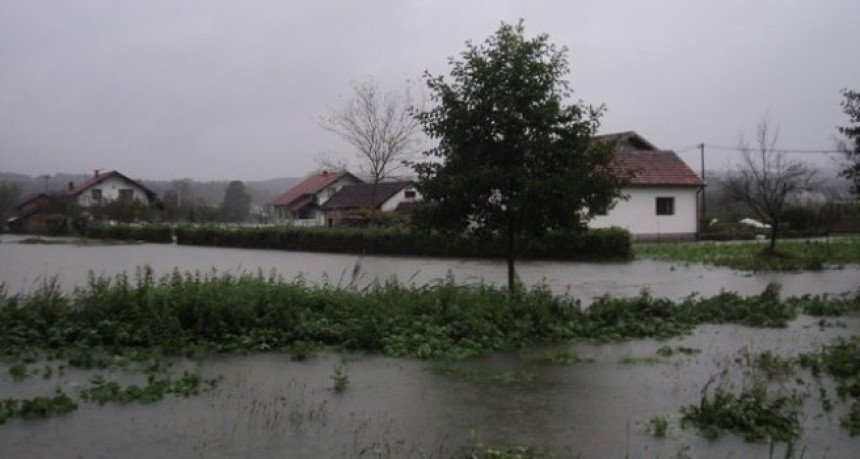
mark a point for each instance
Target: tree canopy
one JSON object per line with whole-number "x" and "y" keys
{"x": 851, "y": 107}
{"x": 236, "y": 205}
{"x": 513, "y": 160}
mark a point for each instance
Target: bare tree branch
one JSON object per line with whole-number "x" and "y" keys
{"x": 767, "y": 178}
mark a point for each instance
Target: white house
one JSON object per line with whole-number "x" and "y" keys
{"x": 662, "y": 195}
{"x": 302, "y": 204}
{"x": 104, "y": 187}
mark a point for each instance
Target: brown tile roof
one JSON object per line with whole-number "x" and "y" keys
{"x": 655, "y": 168}
{"x": 309, "y": 186}
{"x": 361, "y": 195}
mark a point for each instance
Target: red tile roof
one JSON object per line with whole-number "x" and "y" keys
{"x": 655, "y": 168}
{"x": 309, "y": 186}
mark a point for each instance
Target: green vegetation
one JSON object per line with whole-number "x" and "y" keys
{"x": 599, "y": 244}
{"x": 340, "y": 379}
{"x": 669, "y": 351}
{"x": 753, "y": 255}
{"x": 103, "y": 391}
{"x": 659, "y": 426}
{"x": 119, "y": 318}
{"x": 36, "y": 407}
{"x": 841, "y": 360}
{"x": 754, "y": 413}
{"x": 466, "y": 373}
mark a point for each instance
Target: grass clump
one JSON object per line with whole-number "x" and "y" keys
{"x": 340, "y": 379}
{"x": 37, "y": 407}
{"x": 104, "y": 391}
{"x": 752, "y": 413}
{"x": 659, "y": 426}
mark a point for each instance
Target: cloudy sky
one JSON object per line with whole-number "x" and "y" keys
{"x": 218, "y": 89}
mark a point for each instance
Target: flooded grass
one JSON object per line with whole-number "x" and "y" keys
{"x": 755, "y": 256}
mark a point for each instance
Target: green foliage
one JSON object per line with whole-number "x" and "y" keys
{"x": 659, "y": 426}
{"x": 104, "y": 391}
{"x": 184, "y": 312}
{"x": 753, "y": 413}
{"x": 512, "y": 160}
{"x": 600, "y": 244}
{"x": 851, "y": 107}
{"x": 668, "y": 351}
{"x": 236, "y": 205}
{"x": 18, "y": 371}
{"x": 749, "y": 255}
{"x": 340, "y": 379}
{"x": 36, "y": 407}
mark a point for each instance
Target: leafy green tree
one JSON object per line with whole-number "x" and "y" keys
{"x": 851, "y": 107}
{"x": 512, "y": 160}
{"x": 236, "y": 205}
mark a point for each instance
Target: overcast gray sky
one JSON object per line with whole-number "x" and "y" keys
{"x": 217, "y": 89}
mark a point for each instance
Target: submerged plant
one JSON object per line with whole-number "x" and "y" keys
{"x": 340, "y": 379}
{"x": 659, "y": 426}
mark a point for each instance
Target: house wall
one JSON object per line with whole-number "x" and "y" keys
{"x": 391, "y": 204}
{"x": 639, "y": 216}
{"x": 110, "y": 191}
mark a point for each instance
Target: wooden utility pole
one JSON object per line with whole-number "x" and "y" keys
{"x": 702, "y": 151}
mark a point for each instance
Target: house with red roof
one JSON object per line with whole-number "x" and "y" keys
{"x": 302, "y": 204}
{"x": 662, "y": 194}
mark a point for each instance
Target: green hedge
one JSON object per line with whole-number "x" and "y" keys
{"x": 598, "y": 244}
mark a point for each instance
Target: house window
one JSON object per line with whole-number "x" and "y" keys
{"x": 96, "y": 194}
{"x": 126, "y": 194}
{"x": 665, "y": 206}
{"x": 409, "y": 194}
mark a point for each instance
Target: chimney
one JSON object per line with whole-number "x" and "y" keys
{"x": 96, "y": 173}
{"x": 71, "y": 186}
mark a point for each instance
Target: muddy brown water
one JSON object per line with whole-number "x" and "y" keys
{"x": 270, "y": 406}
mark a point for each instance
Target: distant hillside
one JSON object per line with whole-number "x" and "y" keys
{"x": 261, "y": 191}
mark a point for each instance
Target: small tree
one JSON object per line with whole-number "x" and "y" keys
{"x": 379, "y": 126}
{"x": 766, "y": 178}
{"x": 851, "y": 107}
{"x": 513, "y": 161}
{"x": 236, "y": 205}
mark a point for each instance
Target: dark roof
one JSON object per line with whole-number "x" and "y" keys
{"x": 627, "y": 139}
{"x": 309, "y": 186}
{"x": 29, "y": 199}
{"x": 655, "y": 168}
{"x": 100, "y": 177}
{"x": 361, "y": 195}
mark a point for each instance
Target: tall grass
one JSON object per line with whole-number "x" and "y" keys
{"x": 251, "y": 313}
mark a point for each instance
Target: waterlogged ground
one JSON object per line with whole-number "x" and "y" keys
{"x": 24, "y": 266}
{"x": 271, "y": 406}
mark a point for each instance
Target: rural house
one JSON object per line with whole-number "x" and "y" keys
{"x": 104, "y": 187}
{"x": 34, "y": 212}
{"x": 302, "y": 204}
{"x": 384, "y": 196}
{"x": 662, "y": 195}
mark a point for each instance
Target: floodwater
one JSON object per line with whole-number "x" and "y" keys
{"x": 270, "y": 406}
{"x": 25, "y": 266}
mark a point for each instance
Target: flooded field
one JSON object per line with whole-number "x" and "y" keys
{"x": 271, "y": 406}
{"x": 588, "y": 399}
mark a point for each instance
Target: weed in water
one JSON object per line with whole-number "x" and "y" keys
{"x": 669, "y": 351}
{"x": 658, "y": 426}
{"x": 340, "y": 379}
{"x": 560, "y": 357}
{"x": 37, "y": 407}
{"x": 18, "y": 371}
{"x": 643, "y": 360}
{"x": 753, "y": 413}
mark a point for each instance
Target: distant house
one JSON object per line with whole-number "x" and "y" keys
{"x": 662, "y": 195}
{"x": 385, "y": 196}
{"x": 33, "y": 212}
{"x": 104, "y": 187}
{"x": 302, "y": 204}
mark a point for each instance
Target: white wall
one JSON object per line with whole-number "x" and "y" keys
{"x": 391, "y": 204}
{"x": 110, "y": 191}
{"x": 638, "y": 213}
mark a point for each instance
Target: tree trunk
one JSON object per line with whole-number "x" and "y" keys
{"x": 773, "y": 233}
{"x": 511, "y": 257}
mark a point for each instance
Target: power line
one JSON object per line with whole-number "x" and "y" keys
{"x": 778, "y": 150}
